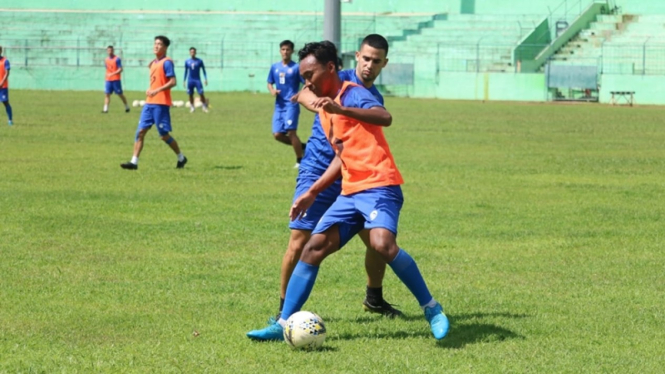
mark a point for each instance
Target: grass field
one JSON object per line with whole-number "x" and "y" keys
{"x": 540, "y": 228}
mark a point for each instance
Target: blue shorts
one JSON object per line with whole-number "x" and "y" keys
{"x": 4, "y": 95}
{"x": 374, "y": 208}
{"x": 155, "y": 114}
{"x": 323, "y": 201}
{"x": 191, "y": 85}
{"x": 113, "y": 86}
{"x": 285, "y": 119}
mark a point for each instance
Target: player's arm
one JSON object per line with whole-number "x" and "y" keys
{"x": 170, "y": 74}
{"x": 376, "y": 115}
{"x": 304, "y": 201}
{"x": 184, "y": 79}
{"x": 119, "y": 70}
{"x": 271, "y": 81}
{"x": 305, "y": 98}
{"x": 205, "y": 75}
{"x": 7, "y": 70}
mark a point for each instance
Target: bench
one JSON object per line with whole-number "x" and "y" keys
{"x": 627, "y": 96}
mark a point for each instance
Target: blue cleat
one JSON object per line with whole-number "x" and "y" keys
{"x": 10, "y": 122}
{"x": 274, "y": 331}
{"x": 438, "y": 321}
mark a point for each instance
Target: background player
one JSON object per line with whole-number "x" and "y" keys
{"x": 113, "y": 82}
{"x": 192, "y": 79}
{"x": 286, "y": 79}
{"x": 318, "y": 155}
{"x": 371, "y": 194}
{"x": 4, "y": 86}
{"x": 158, "y": 103}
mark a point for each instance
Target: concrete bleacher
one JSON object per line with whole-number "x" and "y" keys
{"x": 619, "y": 44}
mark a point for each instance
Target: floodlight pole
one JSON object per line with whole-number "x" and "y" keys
{"x": 332, "y": 22}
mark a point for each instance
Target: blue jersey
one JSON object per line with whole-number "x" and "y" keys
{"x": 319, "y": 152}
{"x": 193, "y": 66}
{"x": 287, "y": 80}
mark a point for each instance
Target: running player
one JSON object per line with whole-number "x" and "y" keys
{"x": 113, "y": 79}
{"x": 192, "y": 79}
{"x": 4, "y": 86}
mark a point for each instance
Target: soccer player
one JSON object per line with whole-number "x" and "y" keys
{"x": 157, "y": 105}
{"x": 113, "y": 83}
{"x": 4, "y": 86}
{"x": 371, "y": 194}
{"x": 372, "y": 57}
{"x": 285, "y": 77}
{"x": 193, "y": 67}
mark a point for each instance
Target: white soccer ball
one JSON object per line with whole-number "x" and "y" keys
{"x": 305, "y": 330}
{"x": 142, "y": 102}
{"x": 135, "y": 103}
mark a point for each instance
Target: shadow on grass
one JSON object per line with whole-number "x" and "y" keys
{"x": 230, "y": 167}
{"x": 462, "y": 331}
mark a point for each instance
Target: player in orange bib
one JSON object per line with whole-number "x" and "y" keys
{"x": 371, "y": 194}
{"x": 113, "y": 79}
{"x": 158, "y": 103}
{"x": 4, "y": 86}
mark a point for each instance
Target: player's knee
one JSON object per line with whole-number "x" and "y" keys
{"x": 316, "y": 251}
{"x": 385, "y": 246}
{"x": 168, "y": 139}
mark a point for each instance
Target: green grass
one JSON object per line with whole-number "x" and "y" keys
{"x": 539, "y": 228}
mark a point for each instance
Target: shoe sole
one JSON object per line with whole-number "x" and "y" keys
{"x": 389, "y": 315}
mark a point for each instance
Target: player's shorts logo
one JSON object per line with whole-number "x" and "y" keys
{"x": 289, "y": 122}
{"x": 373, "y": 215}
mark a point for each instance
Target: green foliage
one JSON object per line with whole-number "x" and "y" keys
{"x": 538, "y": 227}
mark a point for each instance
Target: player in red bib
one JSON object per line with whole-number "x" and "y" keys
{"x": 4, "y": 86}
{"x": 113, "y": 79}
{"x": 158, "y": 103}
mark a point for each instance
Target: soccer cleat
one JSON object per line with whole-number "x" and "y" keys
{"x": 204, "y": 108}
{"x": 10, "y": 123}
{"x": 129, "y": 166}
{"x": 383, "y": 308}
{"x": 104, "y": 112}
{"x": 297, "y": 165}
{"x": 181, "y": 164}
{"x": 275, "y": 318}
{"x": 274, "y": 331}
{"x": 438, "y": 321}
{"x": 191, "y": 109}
{"x": 127, "y": 110}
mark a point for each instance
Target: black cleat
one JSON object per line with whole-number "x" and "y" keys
{"x": 129, "y": 166}
{"x": 126, "y": 110}
{"x": 181, "y": 164}
{"x": 304, "y": 145}
{"x": 104, "y": 112}
{"x": 383, "y": 308}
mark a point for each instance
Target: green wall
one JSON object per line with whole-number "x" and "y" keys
{"x": 370, "y": 6}
{"x": 648, "y": 88}
{"x": 484, "y": 86}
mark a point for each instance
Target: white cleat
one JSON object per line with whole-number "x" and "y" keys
{"x": 205, "y": 109}
{"x": 191, "y": 110}
{"x": 296, "y": 166}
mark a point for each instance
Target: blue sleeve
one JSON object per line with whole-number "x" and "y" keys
{"x": 186, "y": 70}
{"x": 344, "y": 75}
{"x": 6, "y": 64}
{"x": 168, "y": 69}
{"x": 118, "y": 63}
{"x": 205, "y": 75}
{"x": 358, "y": 97}
{"x": 270, "y": 78}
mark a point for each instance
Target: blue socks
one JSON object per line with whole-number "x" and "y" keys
{"x": 407, "y": 271}
{"x": 8, "y": 109}
{"x": 300, "y": 286}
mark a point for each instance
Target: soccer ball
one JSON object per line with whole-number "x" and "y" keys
{"x": 305, "y": 330}
{"x": 135, "y": 103}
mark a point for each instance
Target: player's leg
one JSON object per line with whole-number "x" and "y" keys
{"x": 291, "y": 127}
{"x": 4, "y": 97}
{"x": 108, "y": 90}
{"x": 146, "y": 120}
{"x": 204, "y": 101}
{"x": 375, "y": 266}
{"x": 297, "y": 242}
{"x": 380, "y": 208}
{"x": 163, "y": 123}
{"x": 118, "y": 91}
{"x": 190, "y": 92}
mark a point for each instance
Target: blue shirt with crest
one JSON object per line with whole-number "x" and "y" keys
{"x": 287, "y": 80}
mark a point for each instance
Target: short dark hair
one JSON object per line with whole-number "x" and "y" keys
{"x": 375, "y": 41}
{"x": 190, "y": 48}
{"x": 324, "y": 52}
{"x": 109, "y": 47}
{"x": 286, "y": 42}
{"x": 164, "y": 40}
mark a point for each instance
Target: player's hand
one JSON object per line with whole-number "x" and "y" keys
{"x": 327, "y": 104}
{"x": 151, "y": 93}
{"x": 184, "y": 85}
{"x": 294, "y": 98}
{"x": 276, "y": 92}
{"x": 300, "y": 206}
{"x": 205, "y": 82}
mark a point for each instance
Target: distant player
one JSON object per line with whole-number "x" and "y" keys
{"x": 4, "y": 86}
{"x": 285, "y": 77}
{"x": 192, "y": 80}
{"x": 157, "y": 105}
{"x": 113, "y": 82}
